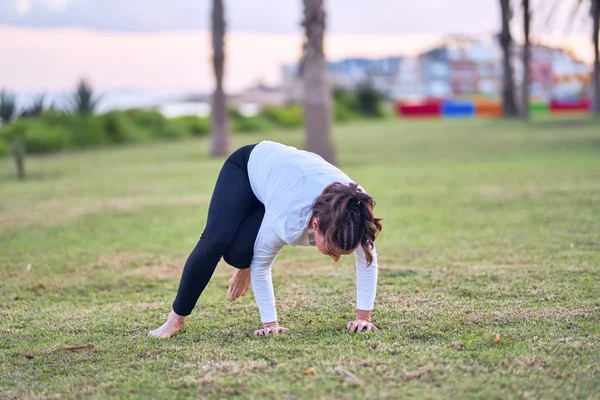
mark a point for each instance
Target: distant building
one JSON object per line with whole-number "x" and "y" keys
{"x": 459, "y": 67}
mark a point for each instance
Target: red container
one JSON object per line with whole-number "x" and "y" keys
{"x": 569, "y": 106}
{"x": 431, "y": 108}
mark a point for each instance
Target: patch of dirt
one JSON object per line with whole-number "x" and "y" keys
{"x": 56, "y": 212}
{"x": 160, "y": 271}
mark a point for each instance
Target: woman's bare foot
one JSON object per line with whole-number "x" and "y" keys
{"x": 172, "y": 326}
{"x": 239, "y": 284}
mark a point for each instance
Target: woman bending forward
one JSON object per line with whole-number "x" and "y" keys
{"x": 269, "y": 195}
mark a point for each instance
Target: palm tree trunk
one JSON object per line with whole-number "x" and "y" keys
{"x": 317, "y": 93}
{"x": 509, "y": 107}
{"x": 18, "y": 152}
{"x": 526, "y": 59}
{"x": 596, "y": 42}
{"x": 219, "y": 117}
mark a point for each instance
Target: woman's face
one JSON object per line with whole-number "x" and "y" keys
{"x": 334, "y": 251}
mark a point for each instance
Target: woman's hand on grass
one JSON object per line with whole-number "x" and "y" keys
{"x": 359, "y": 325}
{"x": 172, "y": 326}
{"x": 270, "y": 328}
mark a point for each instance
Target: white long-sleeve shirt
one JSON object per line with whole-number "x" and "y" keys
{"x": 287, "y": 181}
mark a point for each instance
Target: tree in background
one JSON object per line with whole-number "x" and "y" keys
{"x": 219, "y": 115}
{"x": 84, "y": 102}
{"x": 526, "y": 59}
{"x": 317, "y": 93}
{"x": 36, "y": 109}
{"x": 595, "y": 13}
{"x": 12, "y": 135}
{"x": 509, "y": 106}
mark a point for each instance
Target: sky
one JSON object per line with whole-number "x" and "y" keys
{"x": 165, "y": 45}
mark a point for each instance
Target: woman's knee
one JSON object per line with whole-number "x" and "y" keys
{"x": 238, "y": 258}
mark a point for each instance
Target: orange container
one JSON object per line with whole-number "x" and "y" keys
{"x": 488, "y": 108}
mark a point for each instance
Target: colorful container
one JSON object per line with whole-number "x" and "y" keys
{"x": 430, "y": 108}
{"x": 488, "y": 108}
{"x": 569, "y": 106}
{"x": 458, "y": 109}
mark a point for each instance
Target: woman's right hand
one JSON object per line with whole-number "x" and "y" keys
{"x": 270, "y": 328}
{"x": 172, "y": 326}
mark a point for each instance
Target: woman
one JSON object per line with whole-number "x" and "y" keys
{"x": 269, "y": 195}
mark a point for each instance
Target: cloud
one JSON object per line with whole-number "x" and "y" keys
{"x": 270, "y": 16}
{"x": 266, "y": 16}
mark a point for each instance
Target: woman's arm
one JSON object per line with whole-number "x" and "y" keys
{"x": 266, "y": 248}
{"x": 366, "y": 290}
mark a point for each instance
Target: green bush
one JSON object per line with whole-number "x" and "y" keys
{"x": 257, "y": 123}
{"x": 119, "y": 128}
{"x": 192, "y": 125}
{"x": 3, "y": 148}
{"x": 45, "y": 139}
{"x": 87, "y": 131}
{"x": 37, "y": 136}
{"x": 342, "y": 113}
{"x": 285, "y": 117}
{"x": 369, "y": 102}
{"x": 156, "y": 124}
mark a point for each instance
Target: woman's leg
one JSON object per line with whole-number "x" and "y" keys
{"x": 240, "y": 252}
{"x": 232, "y": 202}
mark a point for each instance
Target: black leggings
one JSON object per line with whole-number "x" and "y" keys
{"x": 233, "y": 221}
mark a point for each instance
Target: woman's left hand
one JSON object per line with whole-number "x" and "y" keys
{"x": 359, "y": 325}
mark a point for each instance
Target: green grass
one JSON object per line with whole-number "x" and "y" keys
{"x": 490, "y": 227}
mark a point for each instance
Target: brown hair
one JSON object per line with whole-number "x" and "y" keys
{"x": 346, "y": 219}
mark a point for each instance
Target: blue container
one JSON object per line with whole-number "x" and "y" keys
{"x": 458, "y": 109}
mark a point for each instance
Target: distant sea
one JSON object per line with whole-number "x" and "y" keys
{"x": 170, "y": 103}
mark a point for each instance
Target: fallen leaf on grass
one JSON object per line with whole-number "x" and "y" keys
{"x": 497, "y": 339}
{"x": 29, "y": 356}
{"x": 410, "y": 375}
{"x": 309, "y": 371}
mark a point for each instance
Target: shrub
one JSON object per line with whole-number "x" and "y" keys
{"x": 368, "y": 102}
{"x": 3, "y": 148}
{"x": 87, "y": 131}
{"x": 251, "y": 124}
{"x": 38, "y": 137}
{"x": 192, "y": 125}
{"x": 342, "y": 113}
{"x": 286, "y": 117}
{"x": 119, "y": 128}
{"x": 155, "y": 123}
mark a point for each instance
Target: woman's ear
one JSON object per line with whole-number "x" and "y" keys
{"x": 315, "y": 223}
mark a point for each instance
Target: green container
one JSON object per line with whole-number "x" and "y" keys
{"x": 538, "y": 108}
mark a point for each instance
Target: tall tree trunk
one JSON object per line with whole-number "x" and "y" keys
{"x": 509, "y": 106}
{"x": 596, "y": 42}
{"x": 526, "y": 59}
{"x": 219, "y": 116}
{"x": 18, "y": 152}
{"x": 317, "y": 93}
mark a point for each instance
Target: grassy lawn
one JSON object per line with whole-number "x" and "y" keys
{"x": 490, "y": 228}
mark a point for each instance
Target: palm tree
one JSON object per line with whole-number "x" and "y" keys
{"x": 317, "y": 93}
{"x": 219, "y": 117}
{"x": 526, "y": 59}
{"x": 509, "y": 106}
{"x": 595, "y": 13}
{"x": 36, "y": 109}
{"x": 84, "y": 101}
